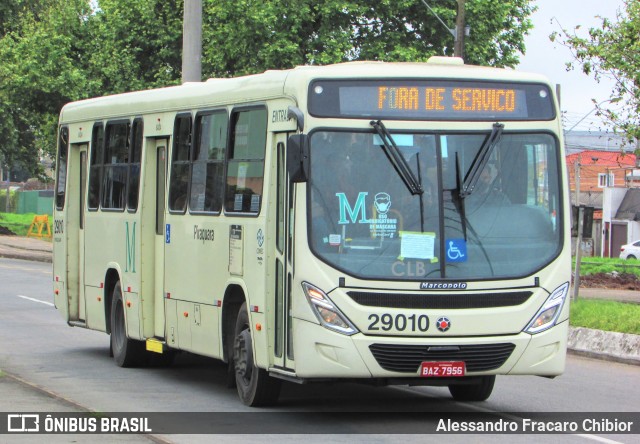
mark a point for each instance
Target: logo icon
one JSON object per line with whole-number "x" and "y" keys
{"x": 382, "y": 202}
{"x": 260, "y": 238}
{"x": 443, "y": 324}
{"x": 456, "y": 250}
{"x": 23, "y": 423}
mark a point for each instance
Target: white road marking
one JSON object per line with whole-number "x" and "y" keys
{"x": 598, "y": 438}
{"x": 35, "y": 300}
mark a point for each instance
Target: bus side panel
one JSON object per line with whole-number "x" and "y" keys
{"x": 112, "y": 243}
{"x": 95, "y": 308}
{"x": 195, "y": 276}
{"x": 60, "y": 265}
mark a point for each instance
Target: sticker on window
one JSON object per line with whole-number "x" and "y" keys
{"x": 237, "y": 203}
{"x": 416, "y": 245}
{"x": 255, "y": 203}
{"x": 456, "y": 250}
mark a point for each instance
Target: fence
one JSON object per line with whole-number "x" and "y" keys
{"x": 38, "y": 202}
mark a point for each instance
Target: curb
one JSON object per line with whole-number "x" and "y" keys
{"x": 606, "y": 345}
{"x": 26, "y": 255}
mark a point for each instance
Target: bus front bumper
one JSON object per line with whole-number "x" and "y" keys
{"x": 321, "y": 353}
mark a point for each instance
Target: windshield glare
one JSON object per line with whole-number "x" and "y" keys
{"x": 365, "y": 221}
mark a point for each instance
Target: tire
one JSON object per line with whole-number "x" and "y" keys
{"x": 255, "y": 387}
{"x": 474, "y": 392}
{"x": 631, "y": 256}
{"x": 126, "y": 352}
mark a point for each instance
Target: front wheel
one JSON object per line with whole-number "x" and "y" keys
{"x": 255, "y": 387}
{"x": 126, "y": 352}
{"x": 474, "y": 392}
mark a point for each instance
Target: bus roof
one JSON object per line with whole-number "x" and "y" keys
{"x": 272, "y": 84}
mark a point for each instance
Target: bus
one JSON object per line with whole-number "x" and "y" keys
{"x": 389, "y": 223}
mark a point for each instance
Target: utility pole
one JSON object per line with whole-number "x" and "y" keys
{"x": 576, "y": 278}
{"x": 192, "y": 41}
{"x": 577, "y": 179}
{"x": 7, "y": 202}
{"x": 458, "y": 49}
{"x": 576, "y": 274}
{"x": 459, "y": 32}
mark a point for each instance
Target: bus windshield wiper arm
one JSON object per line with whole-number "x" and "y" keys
{"x": 471, "y": 179}
{"x": 397, "y": 160}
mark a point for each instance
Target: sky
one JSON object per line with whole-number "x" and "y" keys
{"x": 549, "y": 58}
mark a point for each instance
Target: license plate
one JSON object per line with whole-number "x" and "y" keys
{"x": 442, "y": 369}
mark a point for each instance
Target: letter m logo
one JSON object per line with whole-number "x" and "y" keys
{"x": 359, "y": 207}
{"x": 130, "y": 249}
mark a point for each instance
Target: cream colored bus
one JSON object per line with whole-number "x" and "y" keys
{"x": 367, "y": 221}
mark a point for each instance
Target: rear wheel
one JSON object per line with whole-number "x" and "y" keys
{"x": 126, "y": 352}
{"x": 474, "y": 392}
{"x": 631, "y": 256}
{"x": 255, "y": 386}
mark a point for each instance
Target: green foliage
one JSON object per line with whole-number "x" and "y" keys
{"x": 605, "y": 315}
{"x": 42, "y": 69}
{"x": 135, "y": 45}
{"x": 498, "y": 29}
{"x": 249, "y": 36}
{"x": 13, "y": 200}
{"x": 612, "y": 51}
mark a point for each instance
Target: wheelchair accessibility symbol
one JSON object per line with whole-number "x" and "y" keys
{"x": 456, "y": 250}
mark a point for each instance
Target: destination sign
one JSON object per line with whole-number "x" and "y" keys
{"x": 430, "y": 100}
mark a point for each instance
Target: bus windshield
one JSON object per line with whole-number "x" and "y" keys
{"x": 367, "y": 223}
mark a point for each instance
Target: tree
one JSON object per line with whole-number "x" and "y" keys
{"x": 42, "y": 68}
{"x": 249, "y": 36}
{"x": 612, "y": 51}
{"x": 135, "y": 44}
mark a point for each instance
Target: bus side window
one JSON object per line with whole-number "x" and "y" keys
{"x": 95, "y": 169}
{"x": 134, "y": 164}
{"x": 179, "y": 181}
{"x": 114, "y": 180}
{"x": 207, "y": 168}
{"x": 61, "y": 178}
{"x": 246, "y": 161}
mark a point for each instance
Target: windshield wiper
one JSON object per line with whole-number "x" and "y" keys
{"x": 481, "y": 160}
{"x": 397, "y": 160}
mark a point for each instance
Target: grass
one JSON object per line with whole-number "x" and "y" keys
{"x": 606, "y": 315}
{"x": 17, "y": 223}
{"x": 593, "y": 265}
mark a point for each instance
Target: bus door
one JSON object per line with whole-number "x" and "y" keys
{"x": 160, "y": 153}
{"x": 81, "y": 252}
{"x": 283, "y": 345}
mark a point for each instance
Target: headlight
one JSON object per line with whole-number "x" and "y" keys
{"x": 327, "y": 313}
{"x": 548, "y": 314}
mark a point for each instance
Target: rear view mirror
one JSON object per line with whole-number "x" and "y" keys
{"x": 298, "y": 158}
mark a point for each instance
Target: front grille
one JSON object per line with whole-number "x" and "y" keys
{"x": 440, "y": 301}
{"x": 407, "y": 358}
